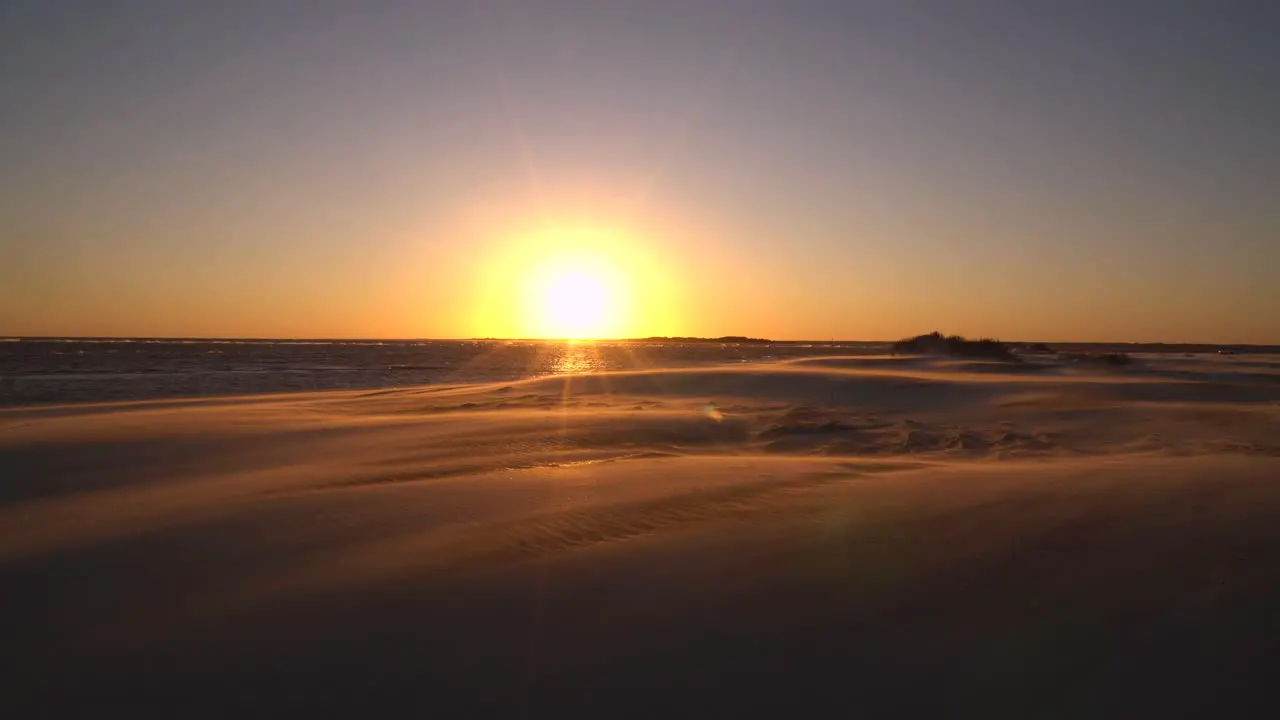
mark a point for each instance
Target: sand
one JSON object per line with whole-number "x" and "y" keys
{"x": 851, "y": 537}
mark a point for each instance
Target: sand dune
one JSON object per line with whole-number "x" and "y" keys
{"x": 865, "y": 536}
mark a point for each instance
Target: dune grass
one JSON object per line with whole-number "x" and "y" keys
{"x": 935, "y": 343}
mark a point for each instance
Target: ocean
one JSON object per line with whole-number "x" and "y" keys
{"x": 105, "y": 370}
{"x": 76, "y": 370}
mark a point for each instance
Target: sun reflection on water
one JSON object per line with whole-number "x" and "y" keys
{"x": 577, "y": 358}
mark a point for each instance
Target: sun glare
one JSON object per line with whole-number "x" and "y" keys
{"x": 573, "y": 285}
{"x": 575, "y": 305}
{"x": 576, "y": 295}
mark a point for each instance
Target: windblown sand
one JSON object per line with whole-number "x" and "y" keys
{"x": 837, "y": 537}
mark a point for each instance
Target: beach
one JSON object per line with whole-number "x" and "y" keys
{"x": 861, "y": 536}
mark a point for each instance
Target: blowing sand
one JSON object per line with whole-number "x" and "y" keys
{"x": 837, "y": 537}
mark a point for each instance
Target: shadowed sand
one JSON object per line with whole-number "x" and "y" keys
{"x": 851, "y": 536}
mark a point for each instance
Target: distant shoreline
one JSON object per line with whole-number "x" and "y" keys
{"x": 1137, "y": 347}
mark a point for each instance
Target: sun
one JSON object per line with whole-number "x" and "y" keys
{"x": 572, "y": 283}
{"x": 575, "y": 305}
{"x": 576, "y": 297}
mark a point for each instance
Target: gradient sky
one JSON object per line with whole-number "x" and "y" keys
{"x": 1068, "y": 170}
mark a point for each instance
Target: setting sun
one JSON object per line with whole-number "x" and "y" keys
{"x": 576, "y": 293}
{"x": 575, "y": 284}
{"x": 575, "y": 304}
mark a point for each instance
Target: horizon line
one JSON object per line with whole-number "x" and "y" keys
{"x": 653, "y": 338}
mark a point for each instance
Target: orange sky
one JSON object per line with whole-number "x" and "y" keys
{"x": 857, "y": 171}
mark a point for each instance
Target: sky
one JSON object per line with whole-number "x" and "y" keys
{"x": 1070, "y": 170}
